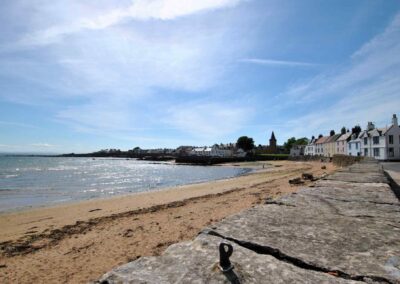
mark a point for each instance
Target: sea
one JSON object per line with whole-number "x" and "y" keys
{"x": 27, "y": 182}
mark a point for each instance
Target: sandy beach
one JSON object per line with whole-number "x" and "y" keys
{"x": 77, "y": 243}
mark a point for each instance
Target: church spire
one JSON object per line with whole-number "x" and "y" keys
{"x": 273, "y": 136}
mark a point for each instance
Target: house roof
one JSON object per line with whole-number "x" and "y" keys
{"x": 333, "y": 138}
{"x": 322, "y": 140}
{"x": 344, "y": 136}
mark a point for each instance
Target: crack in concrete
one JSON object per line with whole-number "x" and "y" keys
{"x": 365, "y": 201}
{"x": 268, "y": 202}
{"x": 279, "y": 255}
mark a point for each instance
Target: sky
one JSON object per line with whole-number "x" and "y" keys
{"x": 80, "y": 76}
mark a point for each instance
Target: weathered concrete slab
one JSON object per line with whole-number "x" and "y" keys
{"x": 374, "y": 192}
{"x": 355, "y": 245}
{"x": 197, "y": 262}
{"x": 367, "y": 177}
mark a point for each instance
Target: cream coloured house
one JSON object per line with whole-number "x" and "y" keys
{"x": 341, "y": 144}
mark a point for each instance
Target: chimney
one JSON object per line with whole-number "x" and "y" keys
{"x": 394, "y": 120}
{"x": 370, "y": 126}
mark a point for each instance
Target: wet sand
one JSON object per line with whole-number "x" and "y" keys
{"x": 77, "y": 243}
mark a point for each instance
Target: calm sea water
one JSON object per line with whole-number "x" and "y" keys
{"x": 37, "y": 181}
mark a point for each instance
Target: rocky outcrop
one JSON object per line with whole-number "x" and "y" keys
{"x": 343, "y": 230}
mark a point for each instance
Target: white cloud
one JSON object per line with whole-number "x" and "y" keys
{"x": 7, "y": 146}
{"x": 208, "y": 120}
{"x": 42, "y": 145}
{"x": 139, "y": 10}
{"x": 271, "y": 62}
{"x": 16, "y": 124}
{"x": 377, "y": 58}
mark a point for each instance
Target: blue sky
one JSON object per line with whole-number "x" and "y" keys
{"x": 79, "y": 76}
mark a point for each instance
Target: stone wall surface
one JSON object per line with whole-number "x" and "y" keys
{"x": 345, "y": 229}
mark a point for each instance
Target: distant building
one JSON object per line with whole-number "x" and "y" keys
{"x": 214, "y": 151}
{"x": 320, "y": 145}
{"x": 341, "y": 144}
{"x": 310, "y": 148}
{"x": 330, "y": 145}
{"x": 297, "y": 150}
{"x": 381, "y": 143}
{"x": 183, "y": 150}
{"x": 354, "y": 145}
{"x": 272, "y": 147}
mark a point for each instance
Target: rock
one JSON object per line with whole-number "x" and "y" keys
{"x": 296, "y": 181}
{"x": 307, "y": 176}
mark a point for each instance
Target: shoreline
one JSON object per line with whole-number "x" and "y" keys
{"x": 142, "y": 199}
{"x": 79, "y": 242}
{"x": 68, "y": 201}
{"x": 246, "y": 171}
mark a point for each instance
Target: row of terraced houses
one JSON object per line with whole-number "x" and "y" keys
{"x": 379, "y": 143}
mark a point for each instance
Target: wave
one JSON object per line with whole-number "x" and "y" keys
{"x": 10, "y": 176}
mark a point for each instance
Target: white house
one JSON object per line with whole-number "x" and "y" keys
{"x": 310, "y": 148}
{"x": 393, "y": 140}
{"x": 341, "y": 144}
{"x": 214, "y": 151}
{"x": 354, "y": 145}
{"x": 381, "y": 143}
{"x": 297, "y": 150}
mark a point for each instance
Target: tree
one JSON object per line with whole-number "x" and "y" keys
{"x": 332, "y": 133}
{"x": 302, "y": 141}
{"x": 320, "y": 136}
{"x": 356, "y": 130}
{"x": 293, "y": 141}
{"x": 289, "y": 143}
{"x": 246, "y": 143}
{"x": 343, "y": 130}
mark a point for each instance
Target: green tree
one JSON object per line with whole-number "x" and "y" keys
{"x": 332, "y": 133}
{"x": 293, "y": 141}
{"x": 289, "y": 143}
{"x": 246, "y": 143}
{"x": 343, "y": 130}
{"x": 302, "y": 141}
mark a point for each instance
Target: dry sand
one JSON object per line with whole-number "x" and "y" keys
{"x": 77, "y": 243}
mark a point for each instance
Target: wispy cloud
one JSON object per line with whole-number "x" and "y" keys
{"x": 7, "y": 146}
{"x": 208, "y": 120}
{"x": 17, "y": 124}
{"x": 365, "y": 89}
{"x": 139, "y": 10}
{"x": 272, "y": 62}
{"x": 42, "y": 145}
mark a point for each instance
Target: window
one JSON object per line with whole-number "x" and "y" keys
{"x": 357, "y": 146}
{"x": 349, "y": 146}
{"x": 337, "y": 143}
{"x": 342, "y": 143}
{"x": 365, "y": 152}
{"x": 375, "y": 140}
{"x": 365, "y": 141}
{"x": 391, "y": 152}
{"x": 390, "y": 139}
{"x": 376, "y": 152}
